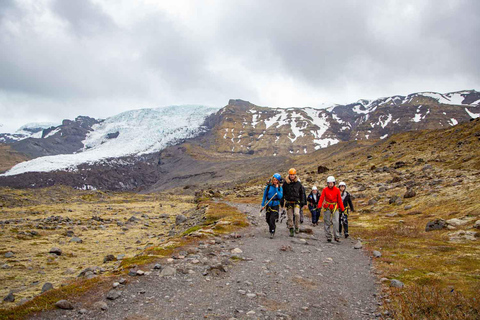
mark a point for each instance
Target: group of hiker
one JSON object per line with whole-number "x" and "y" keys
{"x": 288, "y": 195}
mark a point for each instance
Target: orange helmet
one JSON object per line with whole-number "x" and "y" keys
{"x": 292, "y": 171}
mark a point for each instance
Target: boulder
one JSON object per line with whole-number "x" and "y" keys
{"x": 168, "y": 272}
{"x": 358, "y": 245}
{"x": 109, "y": 258}
{"x": 437, "y": 224}
{"x": 100, "y": 305}
{"x": 114, "y": 294}
{"x": 180, "y": 218}
{"x": 322, "y": 169}
{"x": 64, "y": 304}
{"x": 9, "y": 298}
{"x": 56, "y": 251}
{"x": 409, "y": 194}
{"x": 47, "y": 286}
{"x": 377, "y": 254}
{"x": 457, "y": 222}
{"x": 9, "y": 254}
{"x": 396, "y": 283}
{"x": 477, "y": 224}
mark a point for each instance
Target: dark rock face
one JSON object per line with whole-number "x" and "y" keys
{"x": 64, "y": 139}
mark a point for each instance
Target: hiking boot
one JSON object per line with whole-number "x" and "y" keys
{"x": 272, "y": 234}
{"x": 329, "y": 240}
{"x": 346, "y": 235}
{"x": 292, "y": 232}
{"x": 297, "y": 230}
{"x": 337, "y": 239}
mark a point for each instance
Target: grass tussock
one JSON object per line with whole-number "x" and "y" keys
{"x": 433, "y": 302}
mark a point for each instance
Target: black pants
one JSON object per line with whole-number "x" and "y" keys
{"x": 343, "y": 223}
{"x": 272, "y": 213}
{"x": 315, "y": 214}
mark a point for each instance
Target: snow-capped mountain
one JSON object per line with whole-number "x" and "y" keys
{"x": 125, "y": 151}
{"x": 134, "y": 132}
{"x": 242, "y": 127}
{"x": 30, "y": 130}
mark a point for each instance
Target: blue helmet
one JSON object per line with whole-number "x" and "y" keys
{"x": 277, "y": 176}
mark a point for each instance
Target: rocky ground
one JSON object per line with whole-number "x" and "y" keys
{"x": 245, "y": 275}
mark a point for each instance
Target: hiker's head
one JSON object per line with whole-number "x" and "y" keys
{"x": 330, "y": 181}
{"x": 292, "y": 173}
{"x": 276, "y": 178}
{"x": 342, "y": 186}
{"x": 314, "y": 189}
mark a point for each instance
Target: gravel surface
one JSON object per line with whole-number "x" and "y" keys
{"x": 282, "y": 278}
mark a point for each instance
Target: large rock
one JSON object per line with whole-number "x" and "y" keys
{"x": 437, "y": 224}
{"x": 47, "y": 286}
{"x": 56, "y": 251}
{"x": 180, "y": 218}
{"x": 168, "y": 272}
{"x": 457, "y": 222}
{"x": 114, "y": 294}
{"x": 64, "y": 304}
{"x": 377, "y": 254}
{"x": 396, "y": 283}
{"x": 462, "y": 235}
{"x": 9, "y": 254}
{"x": 358, "y": 245}
{"x": 409, "y": 194}
{"x": 9, "y": 298}
{"x": 477, "y": 224}
{"x": 322, "y": 169}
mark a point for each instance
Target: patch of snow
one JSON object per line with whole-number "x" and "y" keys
{"x": 384, "y": 136}
{"x": 385, "y": 122}
{"x": 52, "y": 133}
{"x": 417, "y": 118}
{"x": 255, "y": 118}
{"x": 453, "y": 122}
{"x": 141, "y": 132}
{"x": 324, "y": 143}
{"x": 471, "y": 114}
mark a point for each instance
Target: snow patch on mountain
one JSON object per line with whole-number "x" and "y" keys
{"x": 471, "y": 114}
{"x": 134, "y": 132}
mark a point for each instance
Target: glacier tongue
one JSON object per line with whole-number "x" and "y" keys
{"x": 133, "y": 132}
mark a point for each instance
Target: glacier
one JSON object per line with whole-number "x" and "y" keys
{"x": 137, "y": 132}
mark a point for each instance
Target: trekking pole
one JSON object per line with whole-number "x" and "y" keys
{"x": 266, "y": 204}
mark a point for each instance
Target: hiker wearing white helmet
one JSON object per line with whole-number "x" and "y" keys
{"x": 347, "y": 201}
{"x": 331, "y": 201}
{"x": 313, "y": 199}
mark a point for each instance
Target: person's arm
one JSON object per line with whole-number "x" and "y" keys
{"x": 350, "y": 203}
{"x": 322, "y": 198}
{"x": 339, "y": 201}
{"x": 264, "y": 196}
{"x": 279, "y": 192}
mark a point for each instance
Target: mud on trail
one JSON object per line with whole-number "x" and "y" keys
{"x": 248, "y": 276}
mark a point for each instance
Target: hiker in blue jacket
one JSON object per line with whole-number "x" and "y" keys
{"x": 274, "y": 192}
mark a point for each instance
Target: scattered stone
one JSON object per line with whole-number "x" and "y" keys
{"x": 76, "y": 240}
{"x": 477, "y": 224}
{"x": 437, "y": 224}
{"x": 64, "y": 304}
{"x": 157, "y": 266}
{"x": 391, "y": 215}
{"x": 242, "y": 292}
{"x": 251, "y": 295}
{"x": 322, "y": 169}
{"x": 109, "y": 258}
{"x": 9, "y": 254}
{"x": 299, "y": 241}
{"x": 396, "y": 283}
{"x": 116, "y": 284}
{"x": 82, "y": 311}
{"x": 427, "y": 167}
{"x": 122, "y": 281}
{"x": 56, "y": 251}
{"x": 140, "y": 272}
{"x": 409, "y": 194}
{"x": 306, "y": 230}
{"x": 372, "y": 202}
{"x": 180, "y": 218}
{"x": 168, "y": 272}
{"x": 121, "y": 256}
{"x": 236, "y": 251}
{"x": 100, "y": 305}
{"x": 114, "y": 294}
{"x": 47, "y": 286}
{"x": 9, "y": 298}
{"x": 358, "y": 245}
{"x": 377, "y": 254}
{"x": 407, "y": 207}
{"x": 462, "y": 235}
{"x": 457, "y": 222}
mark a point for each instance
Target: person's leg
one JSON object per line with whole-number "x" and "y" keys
{"x": 273, "y": 216}
{"x": 340, "y": 223}
{"x": 336, "y": 223}
{"x": 327, "y": 223}
{"x": 301, "y": 215}
{"x": 345, "y": 226}
{"x": 296, "y": 212}
{"x": 289, "y": 217}
{"x": 317, "y": 215}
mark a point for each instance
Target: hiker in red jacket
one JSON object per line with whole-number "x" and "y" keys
{"x": 331, "y": 201}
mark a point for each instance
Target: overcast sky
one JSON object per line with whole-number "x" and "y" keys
{"x": 63, "y": 58}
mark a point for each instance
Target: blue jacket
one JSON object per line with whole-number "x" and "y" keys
{"x": 271, "y": 191}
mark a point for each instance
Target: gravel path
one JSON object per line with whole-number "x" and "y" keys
{"x": 308, "y": 279}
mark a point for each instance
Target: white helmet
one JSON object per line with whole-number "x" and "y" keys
{"x": 331, "y": 179}
{"x": 342, "y": 184}
{"x": 314, "y": 188}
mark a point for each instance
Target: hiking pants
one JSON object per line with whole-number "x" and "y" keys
{"x": 315, "y": 214}
{"x": 293, "y": 210}
{"x": 343, "y": 223}
{"x": 272, "y": 213}
{"x": 329, "y": 219}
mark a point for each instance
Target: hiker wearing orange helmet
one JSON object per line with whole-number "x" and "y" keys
{"x": 331, "y": 201}
{"x": 294, "y": 199}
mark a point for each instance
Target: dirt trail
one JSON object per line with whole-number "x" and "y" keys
{"x": 313, "y": 280}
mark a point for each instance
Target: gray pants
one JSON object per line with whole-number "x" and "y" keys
{"x": 328, "y": 220}
{"x": 293, "y": 210}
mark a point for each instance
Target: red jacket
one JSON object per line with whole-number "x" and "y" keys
{"x": 331, "y": 196}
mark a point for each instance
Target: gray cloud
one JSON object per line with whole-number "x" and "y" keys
{"x": 64, "y": 58}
